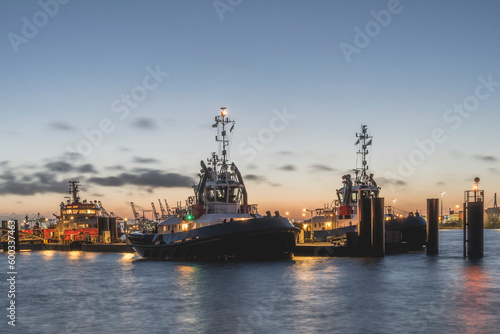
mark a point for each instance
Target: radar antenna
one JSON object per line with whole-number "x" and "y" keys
{"x": 222, "y": 137}
{"x": 364, "y": 140}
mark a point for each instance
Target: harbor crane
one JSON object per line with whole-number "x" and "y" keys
{"x": 136, "y": 214}
{"x": 167, "y": 207}
{"x": 164, "y": 214}
{"x": 157, "y": 217}
{"x": 104, "y": 213}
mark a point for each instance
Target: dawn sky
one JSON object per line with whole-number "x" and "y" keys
{"x": 122, "y": 95}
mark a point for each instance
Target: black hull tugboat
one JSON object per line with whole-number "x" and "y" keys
{"x": 218, "y": 224}
{"x": 342, "y": 215}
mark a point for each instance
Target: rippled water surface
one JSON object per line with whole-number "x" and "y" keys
{"x": 78, "y": 292}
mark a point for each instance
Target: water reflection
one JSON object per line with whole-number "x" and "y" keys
{"x": 48, "y": 254}
{"x": 127, "y": 259}
{"x": 74, "y": 255}
{"x": 474, "y": 298}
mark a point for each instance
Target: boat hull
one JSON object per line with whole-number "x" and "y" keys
{"x": 268, "y": 238}
{"x": 413, "y": 230}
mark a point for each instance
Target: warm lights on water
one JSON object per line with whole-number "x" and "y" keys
{"x": 74, "y": 255}
{"x": 48, "y": 254}
{"x": 127, "y": 258}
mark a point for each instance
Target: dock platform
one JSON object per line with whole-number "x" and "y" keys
{"x": 107, "y": 248}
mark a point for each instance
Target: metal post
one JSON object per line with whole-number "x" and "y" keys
{"x": 464, "y": 213}
{"x": 16, "y": 235}
{"x": 378, "y": 227}
{"x": 476, "y": 230}
{"x": 4, "y": 233}
{"x": 312, "y": 230}
{"x": 364, "y": 225}
{"x": 433, "y": 226}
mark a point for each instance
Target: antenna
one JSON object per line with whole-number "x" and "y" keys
{"x": 222, "y": 137}
{"x": 73, "y": 189}
{"x": 364, "y": 140}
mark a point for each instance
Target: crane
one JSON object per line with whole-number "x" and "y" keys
{"x": 157, "y": 217}
{"x": 104, "y": 213}
{"x": 136, "y": 215}
{"x": 168, "y": 208}
{"x": 162, "y": 209}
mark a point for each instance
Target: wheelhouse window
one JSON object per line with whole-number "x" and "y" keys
{"x": 234, "y": 194}
{"x": 354, "y": 197}
{"x": 210, "y": 194}
{"x": 221, "y": 194}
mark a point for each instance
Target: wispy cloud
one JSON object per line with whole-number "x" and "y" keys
{"x": 286, "y": 153}
{"x": 255, "y": 178}
{"x": 288, "y": 168}
{"x": 151, "y": 178}
{"x": 87, "y": 168}
{"x": 487, "y": 158}
{"x": 493, "y": 170}
{"x": 63, "y": 126}
{"x": 39, "y": 183}
{"x": 144, "y": 123}
{"x": 145, "y": 160}
{"x": 322, "y": 168}
{"x": 386, "y": 181}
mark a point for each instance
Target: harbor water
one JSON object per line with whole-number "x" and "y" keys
{"x": 79, "y": 292}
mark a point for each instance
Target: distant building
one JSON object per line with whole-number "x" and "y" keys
{"x": 490, "y": 212}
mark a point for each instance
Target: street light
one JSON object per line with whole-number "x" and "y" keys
{"x": 312, "y": 233}
{"x": 442, "y": 218}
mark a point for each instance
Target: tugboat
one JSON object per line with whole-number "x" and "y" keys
{"x": 341, "y": 215}
{"x": 218, "y": 223}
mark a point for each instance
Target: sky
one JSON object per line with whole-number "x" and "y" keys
{"x": 121, "y": 95}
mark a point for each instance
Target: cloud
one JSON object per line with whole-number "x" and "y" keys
{"x": 72, "y": 156}
{"x": 87, "y": 168}
{"x": 145, "y": 160}
{"x": 151, "y": 178}
{"x": 4, "y": 163}
{"x": 144, "y": 123}
{"x": 59, "y": 167}
{"x": 255, "y": 178}
{"x": 31, "y": 188}
{"x": 61, "y": 126}
{"x": 116, "y": 167}
{"x": 322, "y": 168}
{"x": 493, "y": 170}
{"x": 286, "y": 153}
{"x": 288, "y": 168}
{"x": 487, "y": 158}
{"x": 385, "y": 181}
{"x": 7, "y": 176}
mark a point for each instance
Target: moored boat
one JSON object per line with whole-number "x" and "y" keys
{"x": 342, "y": 215}
{"x": 218, "y": 223}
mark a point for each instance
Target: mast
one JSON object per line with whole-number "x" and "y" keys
{"x": 364, "y": 140}
{"x": 221, "y": 122}
{"x": 73, "y": 190}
